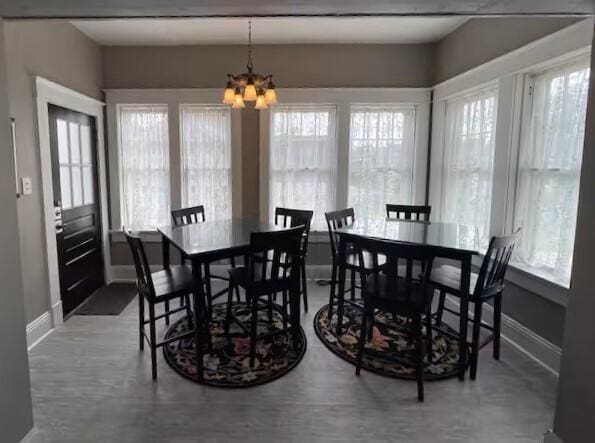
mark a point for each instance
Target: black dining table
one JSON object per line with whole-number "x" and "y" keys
{"x": 204, "y": 243}
{"x": 452, "y": 241}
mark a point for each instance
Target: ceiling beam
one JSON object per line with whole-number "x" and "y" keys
{"x": 255, "y": 8}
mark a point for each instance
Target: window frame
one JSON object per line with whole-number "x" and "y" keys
{"x": 343, "y": 99}
{"x": 175, "y": 100}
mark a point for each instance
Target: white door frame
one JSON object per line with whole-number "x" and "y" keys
{"x": 49, "y": 92}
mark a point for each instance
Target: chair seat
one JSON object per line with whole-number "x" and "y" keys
{"x": 409, "y": 297}
{"x": 449, "y": 278}
{"x": 172, "y": 282}
{"x": 240, "y": 276}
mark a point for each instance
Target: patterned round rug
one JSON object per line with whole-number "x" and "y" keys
{"x": 229, "y": 365}
{"x": 390, "y": 352}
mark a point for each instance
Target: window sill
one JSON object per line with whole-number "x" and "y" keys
{"x": 538, "y": 285}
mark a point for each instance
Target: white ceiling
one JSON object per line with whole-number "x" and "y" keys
{"x": 290, "y": 30}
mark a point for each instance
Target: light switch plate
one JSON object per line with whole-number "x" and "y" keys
{"x": 26, "y": 186}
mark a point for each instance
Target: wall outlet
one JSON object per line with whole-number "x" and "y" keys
{"x": 27, "y": 186}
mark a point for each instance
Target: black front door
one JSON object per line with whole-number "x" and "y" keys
{"x": 78, "y": 221}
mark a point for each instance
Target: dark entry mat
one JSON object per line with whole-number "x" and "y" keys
{"x": 109, "y": 300}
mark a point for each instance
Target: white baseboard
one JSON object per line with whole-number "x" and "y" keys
{"x": 29, "y": 437}
{"x": 550, "y": 437}
{"x": 528, "y": 342}
{"x": 38, "y": 329}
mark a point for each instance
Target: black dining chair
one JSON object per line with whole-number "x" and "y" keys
{"x": 486, "y": 285}
{"x": 408, "y": 212}
{"x": 386, "y": 288}
{"x": 155, "y": 288}
{"x": 191, "y": 215}
{"x": 334, "y": 221}
{"x": 273, "y": 267}
{"x": 289, "y": 218}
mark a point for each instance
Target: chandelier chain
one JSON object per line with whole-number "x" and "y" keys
{"x": 249, "y": 65}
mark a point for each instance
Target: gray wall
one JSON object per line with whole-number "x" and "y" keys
{"x": 57, "y": 51}
{"x": 575, "y": 408}
{"x": 16, "y": 418}
{"x": 482, "y": 39}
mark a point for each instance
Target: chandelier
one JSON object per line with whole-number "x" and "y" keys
{"x": 250, "y": 86}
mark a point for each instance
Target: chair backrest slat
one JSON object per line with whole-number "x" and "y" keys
{"x": 495, "y": 263}
{"x": 336, "y": 220}
{"x": 144, "y": 281}
{"x": 187, "y": 216}
{"x": 408, "y": 212}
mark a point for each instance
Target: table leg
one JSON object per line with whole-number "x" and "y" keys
{"x": 463, "y": 319}
{"x": 201, "y": 323}
{"x": 165, "y": 251}
{"x": 341, "y": 278}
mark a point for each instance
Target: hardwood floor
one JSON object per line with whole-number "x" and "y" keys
{"x": 90, "y": 383}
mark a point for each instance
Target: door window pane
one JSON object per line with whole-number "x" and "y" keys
{"x": 88, "y": 196}
{"x": 85, "y": 145}
{"x": 74, "y": 136}
{"x": 63, "y": 155}
{"x": 65, "y": 187}
{"x": 77, "y": 186}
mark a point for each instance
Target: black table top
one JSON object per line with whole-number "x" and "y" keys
{"x": 217, "y": 236}
{"x": 447, "y": 236}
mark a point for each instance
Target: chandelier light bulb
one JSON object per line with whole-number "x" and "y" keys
{"x": 229, "y": 94}
{"x": 260, "y": 101}
{"x": 238, "y": 101}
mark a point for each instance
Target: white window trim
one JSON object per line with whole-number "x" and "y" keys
{"x": 343, "y": 98}
{"x": 174, "y": 99}
{"x": 509, "y": 71}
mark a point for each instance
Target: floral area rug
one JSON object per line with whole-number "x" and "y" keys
{"x": 390, "y": 352}
{"x": 229, "y": 364}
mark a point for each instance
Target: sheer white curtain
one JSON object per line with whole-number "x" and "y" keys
{"x": 469, "y": 160}
{"x": 303, "y": 160}
{"x": 144, "y": 166}
{"x": 381, "y": 158}
{"x": 549, "y": 171}
{"x": 206, "y": 159}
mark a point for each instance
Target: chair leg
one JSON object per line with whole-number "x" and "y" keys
{"x": 189, "y": 310}
{"x": 497, "y": 325}
{"x": 253, "y": 330}
{"x": 429, "y": 340}
{"x": 238, "y": 298}
{"x": 440, "y": 310}
{"x": 419, "y": 347}
{"x": 141, "y": 321}
{"x": 331, "y": 301}
{"x": 229, "y": 308}
{"x": 270, "y": 308}
{"x": 285, "y": 305}
{"x": 352, "y": 284}
{"x": 475, "y": 340}
{"x": 198, "y": 331}
{"x": 362, "y": 341}
{"x": 167, "y": 312}
{"x": 153, "y": 335}
{"x": 208, "y": 291}
{"x": 304, "y": 288}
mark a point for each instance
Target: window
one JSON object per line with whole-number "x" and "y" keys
{"x": 549, "y": 170}
{"x": 381, "y": 158}
{"x": 303, "y": 160}
{"x": 76, "y": 168}
{"x": 206, "y": 158}
{"x": 144, "y": 166}
{"x": 468, "y": 163}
